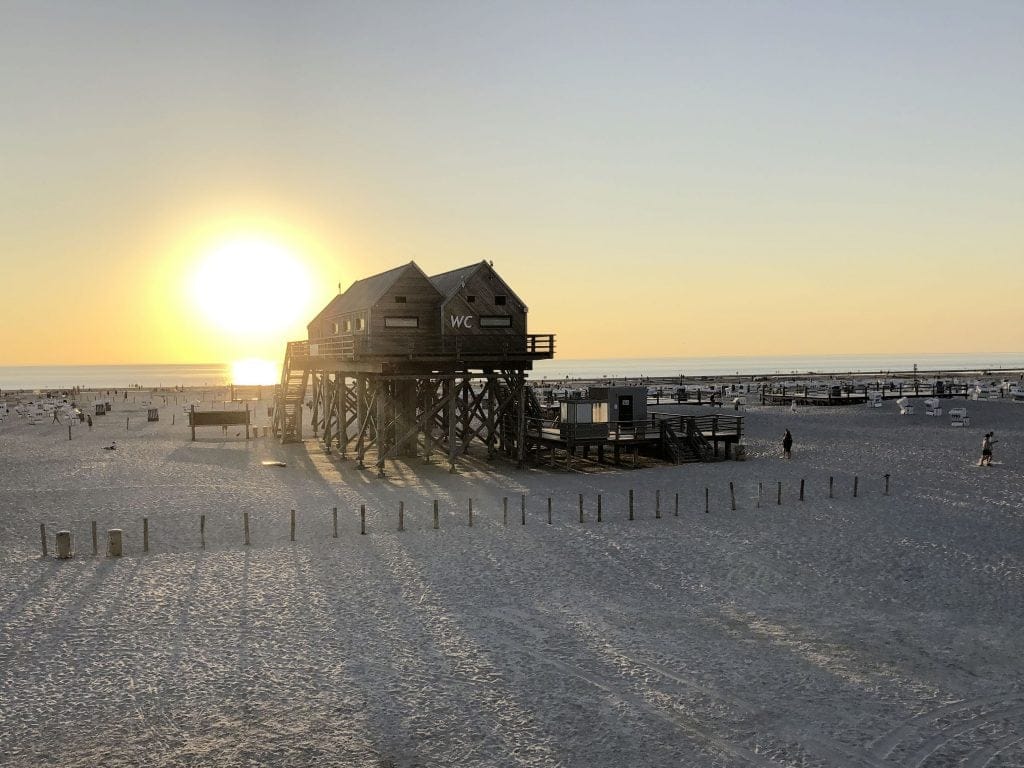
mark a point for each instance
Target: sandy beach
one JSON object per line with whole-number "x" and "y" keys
{"x": 876, "y": 630}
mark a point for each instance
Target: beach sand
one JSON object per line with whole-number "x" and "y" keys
{"x": 870, "y": 631}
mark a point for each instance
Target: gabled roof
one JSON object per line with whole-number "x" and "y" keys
{"x": 363, "y": 294}
{"x": 449, "y": 283}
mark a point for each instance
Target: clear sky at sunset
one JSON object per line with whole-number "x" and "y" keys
{"x": 190, "y": 182}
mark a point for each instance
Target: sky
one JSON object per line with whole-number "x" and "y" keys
{"x": 191, "y": 182}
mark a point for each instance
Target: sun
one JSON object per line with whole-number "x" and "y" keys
{"x": 251, "y": 286}
{"x": 254, "y": 370}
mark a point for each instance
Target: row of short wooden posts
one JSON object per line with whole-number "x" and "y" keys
{"x": 64, "y": 543}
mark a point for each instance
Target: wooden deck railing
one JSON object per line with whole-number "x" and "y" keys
{"x": 713, "y": 427}
{"x": 351, "y": 345}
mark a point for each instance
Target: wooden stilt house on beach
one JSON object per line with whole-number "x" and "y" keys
{"x": 407, "y": 364}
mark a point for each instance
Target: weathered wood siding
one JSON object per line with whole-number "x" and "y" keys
{"x": 422, "y": 301}
{"x": 460, "y": 316}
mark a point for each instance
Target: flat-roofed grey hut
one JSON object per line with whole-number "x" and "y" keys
{"x": 402, "y": 364}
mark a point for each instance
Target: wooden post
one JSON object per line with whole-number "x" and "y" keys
{"x": 831, "y": 485}
{"x": 778, "y": 499}
{"x": 401, "y": 515}
{"x": 581, "y": 507}
{"x": 549, "y": 510}
{"x": 42, "y": 536}
{"x": 630, "y": 503}
{"x": 202, "y": 531}
{"x": 69, "y": 431}
{"x": 247, "y": 426}
{"x": 504, "y": 510}
{"x": 114, "y": 542}
{"x": 707, "y": 500}
{"x": 801, "y": 489}
{"x": 657, "y": 505}
{"x": 292, "y": 536}
{"x": 95, "y": 541}
{"x": 732, "y": 496}
{"x": 855, "y": 486}
{"x": 887, "y": 485}
{"x": 145, "y": 534}
{"x": 362, "y": 520}
{"x": 522, "y": 507}
{"x": 470, "y": 513}
{"x": 63, "y": 545}
{"x": 172, "y": 416}
{"x": 760, "y": 493}
{"x": 334, "y": 520}
{"x": 599, "y": 507}
{"x": 245, "y": 526}
{"x": 437, "y": 521}
{"x": 192, "y": 421}
{"x": 676, "y": 513}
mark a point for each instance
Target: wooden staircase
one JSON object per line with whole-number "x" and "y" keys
{"x": 287, "y": 421}
{"x": 689, "y": 447}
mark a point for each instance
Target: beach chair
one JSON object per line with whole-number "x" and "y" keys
{"x": 874, "y": 399}
{"x": 958, "y": 417}
{"x": 932, "y": 407}
{"x": 906, "y": 409}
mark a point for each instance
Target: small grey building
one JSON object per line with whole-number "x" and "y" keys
{"x": 627, "y": 404}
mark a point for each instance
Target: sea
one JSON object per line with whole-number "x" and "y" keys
{"x": 32, "y": 377}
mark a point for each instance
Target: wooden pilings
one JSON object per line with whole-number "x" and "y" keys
{"x": 472, "y": 519}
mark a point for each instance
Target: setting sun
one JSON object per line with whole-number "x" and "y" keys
{"x": 254, "y": 370}
{"x": 251, "y": 286}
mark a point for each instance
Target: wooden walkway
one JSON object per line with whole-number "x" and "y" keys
{"x": 858, "y": 395}
{"x": 678, "y": 437}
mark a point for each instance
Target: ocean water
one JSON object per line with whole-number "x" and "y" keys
{"x": 218, "y": 374}
{"x": 763, "y": 365}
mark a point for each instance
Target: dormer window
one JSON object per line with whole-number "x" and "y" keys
{"x": 471, "y": 299}
{"x": 400, "y": 300}
{"x": 500, "y": 299}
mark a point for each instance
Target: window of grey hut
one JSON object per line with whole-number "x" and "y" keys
{"x": 401, "y": 322}
{"x": 495, "y": 321}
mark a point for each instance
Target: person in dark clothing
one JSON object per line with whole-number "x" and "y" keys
{"x": 787, "y": 445}
{"x": 986, "y": 450}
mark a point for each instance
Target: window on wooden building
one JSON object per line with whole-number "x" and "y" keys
{"x": 471, "y": 299}
{"x": 401, "y": 322}
{"x": 348, "y": 326}
{"x": 400, "y": 300}
{"x": 500, "y": 299}
{"x": 335, "y": 329}
{"x": 495, "y": 321}
{"x": 360, "y": 324}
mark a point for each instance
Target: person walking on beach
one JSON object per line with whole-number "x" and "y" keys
{"x": 986, "y": 449}
{"x": 787, "y": 445}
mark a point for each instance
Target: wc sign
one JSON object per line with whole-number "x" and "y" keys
{"x": 461, "y": 321}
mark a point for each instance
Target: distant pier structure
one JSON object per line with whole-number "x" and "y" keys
{"x": 404, "y": 365}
